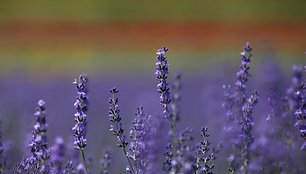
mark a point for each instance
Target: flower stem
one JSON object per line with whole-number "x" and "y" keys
{"x": 84, "y": 160}
{"x": 129, "y": 161}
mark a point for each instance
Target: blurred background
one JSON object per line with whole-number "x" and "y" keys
{"x": 53, "y": 37}
{"x": 44, "y": 45}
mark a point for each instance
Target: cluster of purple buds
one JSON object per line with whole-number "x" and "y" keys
{"x": 39, "y": 144}
{"x": 204, "y": 155}
{"x": 162, "y": 75}
{"x": 168, "y": 163}
{"x": 36, "y": 162}
{"x": 243, "y": 75}
{"x": 81, "y": 104}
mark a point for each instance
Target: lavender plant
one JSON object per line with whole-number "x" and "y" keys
{"x": 239, "y": 115}
{"x": 273, "y": 151}
{"x": 117, "y": 127}
{"x": 163, "y": 86}
{"x": 162, "y": 71}
{"x": 37, "y": 161}
{"x": 81, "y": 105}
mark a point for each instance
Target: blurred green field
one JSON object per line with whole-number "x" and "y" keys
{"x": 108, "y": 10}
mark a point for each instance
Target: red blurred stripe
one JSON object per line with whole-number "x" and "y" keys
{"x": 190, "y": 35}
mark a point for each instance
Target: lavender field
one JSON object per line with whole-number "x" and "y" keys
{"x": 243, "y": 116}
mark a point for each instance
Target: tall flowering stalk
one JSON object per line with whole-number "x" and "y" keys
{"x": 80, "y": 117}
{"x": 36, "y": 163}
{"x": 161, "y": 73}
{"x": 163, "y": 86}
{"x": 239, "y": 112}
{"x": 117, "y": 127}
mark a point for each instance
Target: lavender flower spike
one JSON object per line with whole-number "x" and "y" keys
{"x": 39, "y": 144}
{"x": 163, "y": 88}
{"x": 117, "y": 127}
{"x": 162, "y": 75}
{"x": 204, "y": 156}
{"x": 239, "y": 112}
{"x": 81, "y": 105}
{"x": 243, "y": 75}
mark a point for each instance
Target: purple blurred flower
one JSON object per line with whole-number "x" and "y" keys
{"x": 57, "y": 155}
{"x": 138, "y": 134}
{"x": 105, "y": 162}
{"x": 176, "y": 97}
{"x": 294, "y": 92}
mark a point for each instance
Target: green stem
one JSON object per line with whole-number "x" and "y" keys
{"x": 129, "y": 161}
{"x": 84, "y": 159}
